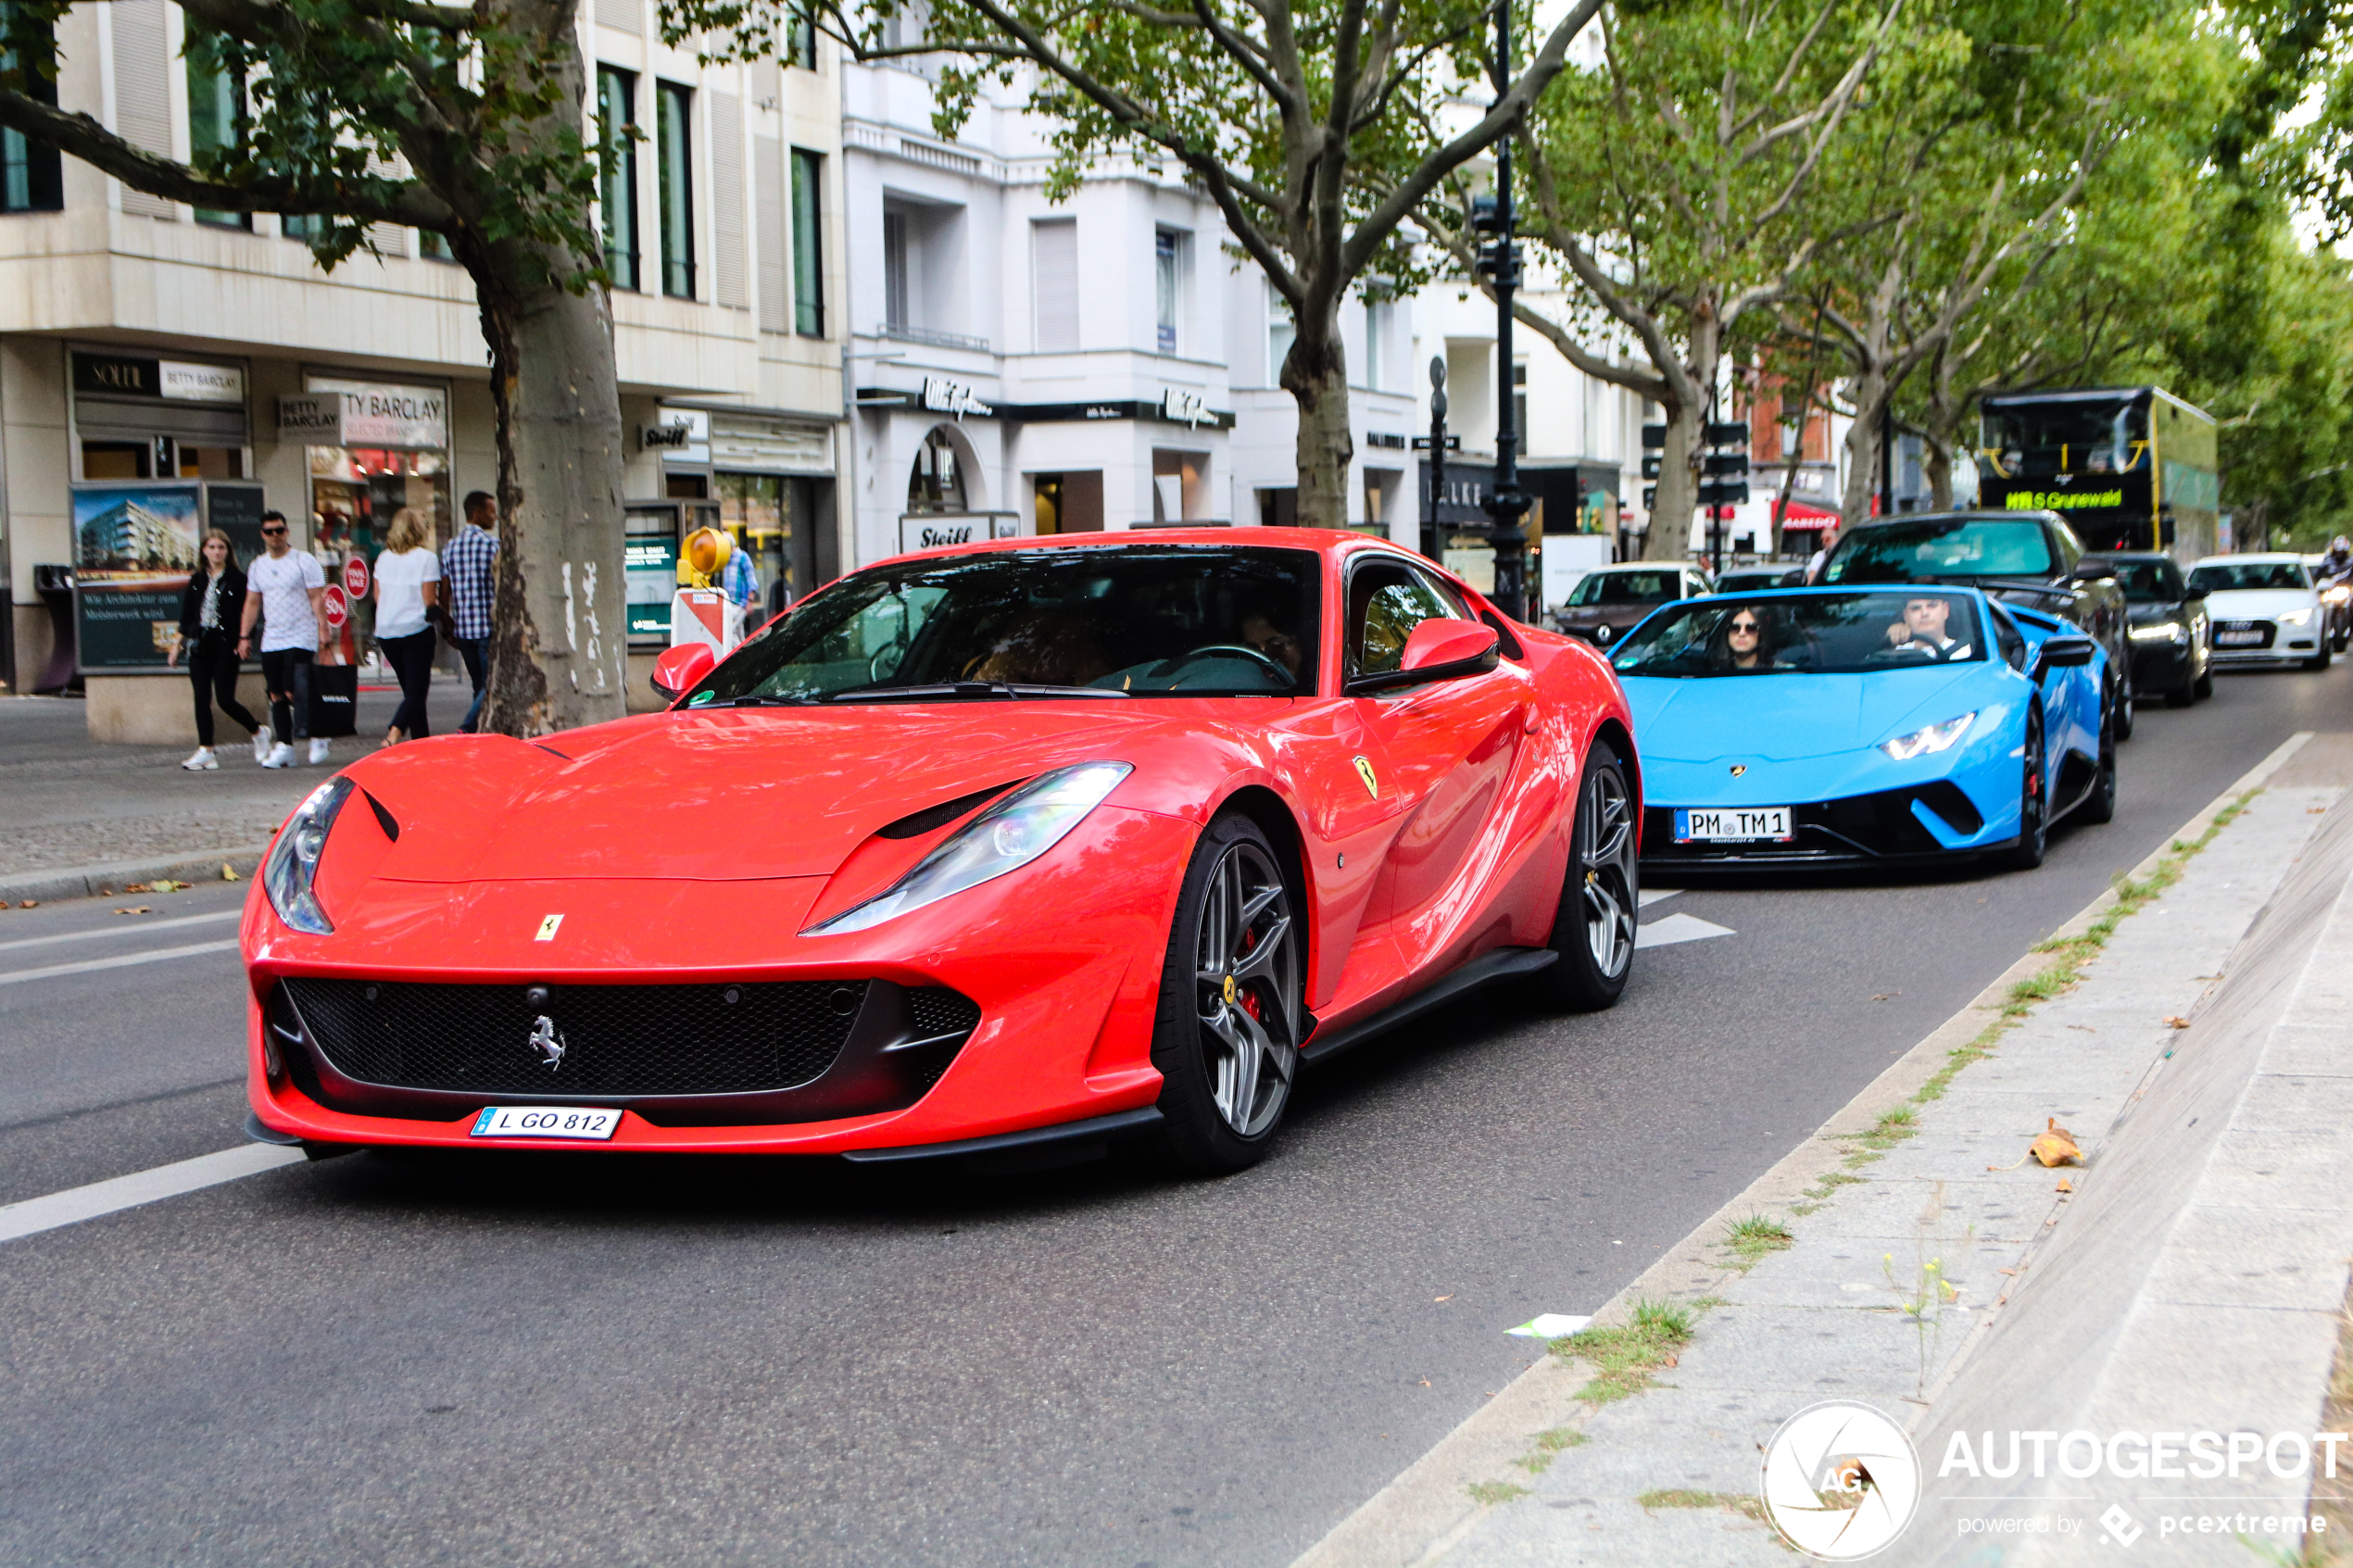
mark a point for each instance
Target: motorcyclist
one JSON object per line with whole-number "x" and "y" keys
{"x": 2333, "y": 577}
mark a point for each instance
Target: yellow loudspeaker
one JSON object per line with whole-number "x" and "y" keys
{"x": 704, "y": 555}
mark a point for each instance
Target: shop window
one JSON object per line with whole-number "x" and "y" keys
{"x": 356, "y": 490}
{"x": 895, "y": 270}
{"x": 1053, "y": 262}
{"x": 673, "y": 152}
{"x": 216, "y": 122}
{"x": 617, "y": 180}
{"x": 1180, "y": 486}
{"x": 1046, "y": 504}
{"x": 1376, "y": 319}
{"x": 808, "y": 243}
{"x": 31, "y": 173}
{"x": 117, "y": 460}
{"x": 1279, "y": 333}
{"x": 685, "y": 486}
{"x": 759, "y": 510}
{"x": 936, "y": 485}
{"x": 1278, "y": 509}
{"x": 210, "y": 462}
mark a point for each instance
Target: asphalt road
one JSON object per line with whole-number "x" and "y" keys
{"x": 569, "y": 1359}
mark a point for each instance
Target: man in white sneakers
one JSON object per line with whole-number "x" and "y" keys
{"x": 287, "y": 591}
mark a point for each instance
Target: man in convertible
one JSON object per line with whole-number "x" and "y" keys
{"x": 1922, "y": 633}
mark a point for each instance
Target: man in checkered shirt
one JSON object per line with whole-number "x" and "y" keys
{"x": 465, "y": 576}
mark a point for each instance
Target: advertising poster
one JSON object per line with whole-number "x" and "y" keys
{"x": 133, "y": 546}
{"x": 235, "y": 510}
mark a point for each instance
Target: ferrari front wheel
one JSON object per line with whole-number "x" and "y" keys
{"x": 1600, "y": 904}
{"x": 1227, "y": 1037}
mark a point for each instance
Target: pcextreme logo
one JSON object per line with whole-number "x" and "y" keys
{"x": 1840, "y": 1481}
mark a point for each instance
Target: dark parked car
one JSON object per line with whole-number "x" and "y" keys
{"x": 1607, "y": 601}
{"x": 1753, "y": 579}
{"x": 2173, "y": 635}
{"x": 2030, "y": 559}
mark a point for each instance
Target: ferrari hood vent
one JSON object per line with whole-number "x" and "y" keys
{"x": 933, "y": 818}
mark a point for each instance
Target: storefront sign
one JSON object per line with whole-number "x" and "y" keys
{"x": 314, "y": 420}
{"x": 921, "y": 531}
{"x": 383, "y": 414}
{"x": 355, "y": 577}
{"x": 682, "y": 435}
{"x": 338, "y": 608}
{"x": 944, "y": 397}
{"x": 179, "y": 381}
{"x": 1186, "y": 409}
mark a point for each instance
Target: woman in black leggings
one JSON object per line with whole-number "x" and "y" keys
{"x": 209, "y": 607}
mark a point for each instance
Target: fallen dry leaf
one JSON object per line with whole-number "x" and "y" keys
{"x": 28, "y": 904}
{"x": 2006, "y": 1271}
{"x": 1441, "y": 1297}
{"x": 2173, "y": 1022}
{"x": 1884, "y": 996}
{"x": 2065, "y": 1185}
{"x": 135, "y": 887}
{"x": 228, "y": 871}
{"x": 142, "y": 909}
{"x": 2056, "y": 1146}
{"x": 168, "y": 885}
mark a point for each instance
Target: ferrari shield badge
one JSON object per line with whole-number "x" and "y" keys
{"x": 548, "y": 928}
{"x": 1364, "y": 772}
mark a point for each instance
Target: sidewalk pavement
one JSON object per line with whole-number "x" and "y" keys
{"x": 2193, "y": 1280}
{"x": 82, "y": 816}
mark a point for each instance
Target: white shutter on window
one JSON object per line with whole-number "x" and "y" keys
{"x": 627, "y": 15}
{"x": 727, "y": 197}
{"x": 1054, "y": 264}
{"x": 768, "y": 211}
{"x": 143, "y": 93}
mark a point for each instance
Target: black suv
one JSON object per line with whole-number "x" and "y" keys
{"x": 2031, "y": 558}
{"x": 2172, "y": 633}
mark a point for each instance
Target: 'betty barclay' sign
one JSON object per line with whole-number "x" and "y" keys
{"x": 379, "y": 414}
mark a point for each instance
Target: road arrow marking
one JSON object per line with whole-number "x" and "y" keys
{"x": 1680, "y": 928}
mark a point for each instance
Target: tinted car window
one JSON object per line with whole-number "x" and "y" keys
{"x": 2149, "y": 582}
{"x": 1629, "y": 588}
{"x": 1146, "y": 621}
{"x": 1814, "y": 635}
{"x": 1948, "y": 547}
{"x": 2224, "y": 576}
{"x": 1385, "y": 603}
{"x": 2006, "y": 638}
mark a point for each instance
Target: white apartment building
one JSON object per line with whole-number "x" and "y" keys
{"x": 193, "y": 362}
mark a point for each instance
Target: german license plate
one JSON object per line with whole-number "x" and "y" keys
{"x": 546, "y": 1122}
{"x": 1729, "y": 826}
{"x": 2234, "y": 639}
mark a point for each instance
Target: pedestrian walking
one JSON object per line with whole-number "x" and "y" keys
{"x": 466, "y": 563}
{"x": 210, "y": 607}
{"x": 739, "y": 580}
{"x": 407, "y": 585}
{"x": 286, "y": 591}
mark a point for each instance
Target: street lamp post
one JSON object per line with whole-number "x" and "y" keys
{"x": 1509, "y": 502}
{"x": 1431, "y": 546}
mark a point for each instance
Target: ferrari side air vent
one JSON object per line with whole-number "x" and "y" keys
{"x": 384, "y": 819}
{"x": 932, "y": 818}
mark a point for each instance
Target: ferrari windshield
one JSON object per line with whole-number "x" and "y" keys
{"x": 1941, "y": 546}
{"x": 1096, "y": 620}
{"x": 1808, "y": 634}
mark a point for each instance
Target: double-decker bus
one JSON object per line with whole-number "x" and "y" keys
{"x": 2130, "y": 468}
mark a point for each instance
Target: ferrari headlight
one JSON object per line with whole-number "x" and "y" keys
{"x": 2297, "y": 617}
{"x": 293, "y": 860}
{"x": 1005, "y": 837}
{"x": 1936, "y": 737}
{"x": 2166, "y": 632}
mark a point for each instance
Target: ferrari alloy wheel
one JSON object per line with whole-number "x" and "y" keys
{"x": 2033, "y": 811}
{"x": 1226, "y": 1038}
{"x": 1600, "y": 904}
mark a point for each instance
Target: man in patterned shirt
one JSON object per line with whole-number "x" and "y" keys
{"x": 466, "y": 563}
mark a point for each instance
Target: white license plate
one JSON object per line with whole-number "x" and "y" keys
{"x": 546, "y": 1122}
{"x": 1725, "y": 826}
{"x": 2237, "y": 639}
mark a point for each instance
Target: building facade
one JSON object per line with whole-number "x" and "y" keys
{"x": 203, "y": 366}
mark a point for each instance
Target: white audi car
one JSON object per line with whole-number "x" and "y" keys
{"x": 2265, "y": 610}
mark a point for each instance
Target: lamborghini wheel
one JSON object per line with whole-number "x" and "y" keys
{"x": 1228, "y": 1034}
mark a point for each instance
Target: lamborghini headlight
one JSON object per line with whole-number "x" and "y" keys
{"x": 2297, "y": 617}
{"x": 1005, "y": 837}
{"x": 2163, "y": 631}
{"x": 293, "y": 860}
{"x": 1936, "y": 737}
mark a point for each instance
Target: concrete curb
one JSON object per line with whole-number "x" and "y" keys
{"x": 108, "y": 877}
{"x": 1421, "y": 1514}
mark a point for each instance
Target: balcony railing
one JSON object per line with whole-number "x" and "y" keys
{"x": 936, "y": 340}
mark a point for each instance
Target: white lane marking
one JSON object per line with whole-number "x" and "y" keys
{"x": 19, "y": 977}
{"x": 1657, "y": 895}
{"x": 1550, "y": 1326}
{"x": 77, "y": 1204}
{"x": 142, "y": 926}
{"x": 1679, "y": 928}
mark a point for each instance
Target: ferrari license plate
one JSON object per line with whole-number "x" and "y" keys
{"x": 2238, "y": 639}
{"x": 546, "y": 1122}
{"x": 1732, "y": 826}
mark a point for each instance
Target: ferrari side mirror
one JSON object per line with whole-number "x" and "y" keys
{"x": 682, "y": 668}
{"x": 1441, "y": 648}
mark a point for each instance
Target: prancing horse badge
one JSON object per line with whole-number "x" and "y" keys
{"x": 1364, "y": 772}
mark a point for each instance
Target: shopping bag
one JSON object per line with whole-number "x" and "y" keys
{"x": 334, "y": 700}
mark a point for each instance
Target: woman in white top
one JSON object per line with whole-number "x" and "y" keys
{"x": 407, "y": 585}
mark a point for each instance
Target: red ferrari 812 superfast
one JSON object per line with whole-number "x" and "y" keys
{"x": 1038, "y": 841}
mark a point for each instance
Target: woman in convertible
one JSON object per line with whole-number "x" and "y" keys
{"x": 1742, "y": 643}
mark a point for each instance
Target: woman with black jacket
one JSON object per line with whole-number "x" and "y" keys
{"x": 210, "y": 610}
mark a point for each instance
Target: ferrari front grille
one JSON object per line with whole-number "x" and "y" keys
{"x": 589, "y": 1040}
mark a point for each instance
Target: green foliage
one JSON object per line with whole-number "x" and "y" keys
{"x": 1624, "y": 1358}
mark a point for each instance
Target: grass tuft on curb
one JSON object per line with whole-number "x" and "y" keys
{"x": 1751, "y": 1239}
{"x": 1548, "y": 1445}
{"x": 1737, "y": 1503}
{"x": 1625, "y": 1356}
{"x": 1487, "y": 1493}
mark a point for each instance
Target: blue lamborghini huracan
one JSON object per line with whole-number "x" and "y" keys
{"x": 1813, "y": 726}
